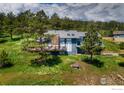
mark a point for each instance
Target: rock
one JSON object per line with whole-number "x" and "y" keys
{"x": 120, "y": 77}
{"x": 75, "y": 65}
{"x": 103, "y": 81}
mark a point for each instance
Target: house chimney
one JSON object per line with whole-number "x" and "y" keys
{"x": 55, "y": 42}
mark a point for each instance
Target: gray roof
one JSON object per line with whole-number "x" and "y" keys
{"x": 66, "y": 33}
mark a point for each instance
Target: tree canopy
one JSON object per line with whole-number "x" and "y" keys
{"x": 92, "y": 41}
{"x": 28, "y": 22}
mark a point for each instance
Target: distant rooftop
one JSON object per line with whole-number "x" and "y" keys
{"x": 66, "y": 33}
{"x": 118, "y": 32}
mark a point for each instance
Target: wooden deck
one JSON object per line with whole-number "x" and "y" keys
{"x": 33, "y": 49}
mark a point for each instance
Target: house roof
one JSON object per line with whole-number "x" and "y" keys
{"x": 118, "y": 32}
{"x": 66, "y": 33}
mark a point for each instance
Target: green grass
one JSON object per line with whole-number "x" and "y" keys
{"x": 111, "y": 46}
{"x": 22, "y": 73}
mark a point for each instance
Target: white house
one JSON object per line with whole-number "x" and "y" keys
{"x": 68, "y": 40}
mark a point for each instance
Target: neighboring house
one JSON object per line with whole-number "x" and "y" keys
{"x": 118, "y": 36}
{"x": 69, "y": 41}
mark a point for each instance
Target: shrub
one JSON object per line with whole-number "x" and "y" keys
{"x": 46, "y": 59}
{"x": 121, "y": 45}
{"x": 5, "y": 61}
{"x": 121, "y": 64}
{"x": 94, "y": 62}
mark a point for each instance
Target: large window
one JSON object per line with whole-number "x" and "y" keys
{"x": 73, "y": 35}
{"x": 78, "y": 42}
{"x": 68, "y": 41}
{"x": 68, "y": 34}
{"x": 74, "y": 41}
{"x": 62, "y": 41}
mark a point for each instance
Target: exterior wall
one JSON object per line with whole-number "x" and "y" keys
{"x": 55, "y": 41}
{"x": 69, "y": 44}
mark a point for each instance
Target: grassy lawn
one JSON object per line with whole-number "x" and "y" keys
{"x": 111, "y": 46}
{"x": 22, "y": 73}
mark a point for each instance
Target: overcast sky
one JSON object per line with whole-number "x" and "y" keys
{"x": 96, "y": 12}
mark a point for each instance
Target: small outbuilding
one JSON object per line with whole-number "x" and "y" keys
{"x": 118, "y": 36}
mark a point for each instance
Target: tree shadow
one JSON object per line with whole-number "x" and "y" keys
{"x": 94, "y": 62}
{"x": 3, "y": 36}
{"x": 16, "y": 39}
{"x": 7, "y": 65}
{"x": 122, "y": 55}
{"x": 121, "y": 64}
{"x": 54, "y": 60}
{"x": 3, "y": 40}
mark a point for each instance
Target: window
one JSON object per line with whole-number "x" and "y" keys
{"x": 62, "y": 41}
{"x": 68, "y": 34}
{"x": 72, "y": 34}
{"x": 68, "y": 41}
{"x": 78, "y": 43}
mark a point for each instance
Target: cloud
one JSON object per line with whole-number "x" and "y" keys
{"x": 83, "y": 11}
{"x": 106, "y": 12}
{"x": 16, "y": 8}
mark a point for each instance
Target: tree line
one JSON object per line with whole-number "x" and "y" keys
{"x": 29, "y": 22}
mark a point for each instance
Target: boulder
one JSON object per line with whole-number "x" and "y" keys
{"x": 75, "y": 65}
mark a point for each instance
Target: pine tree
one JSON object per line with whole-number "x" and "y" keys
{"x": 4, "y": 60}
{"x": 92, "y": 40}
{"x": 55, "y": 21}
{"x": 10, "y": 23}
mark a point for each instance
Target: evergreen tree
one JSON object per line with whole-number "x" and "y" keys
{"x": 5, "y": 61}
{"x": 91, "y": 41}
{"x": 55, "y": 21}
{"x": 22, "y": 23}
{"x": 41, "y": 15}
{"x": 10, "y": 23}
{"x": 2, "y": 18}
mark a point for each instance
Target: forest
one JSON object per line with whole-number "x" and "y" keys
{"x": 29, "y": 22}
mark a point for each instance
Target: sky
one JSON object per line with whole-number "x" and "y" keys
{"x": 75, "y": 11}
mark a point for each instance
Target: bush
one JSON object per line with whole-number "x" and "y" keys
{"x": 121, "y": 64}
{"x": 5, "y": 61}
{"x": 94, "y": 62}
{"x": 44, "y": 57}
{"x": 47, "y": 60}
{"x": 121, "y": 45}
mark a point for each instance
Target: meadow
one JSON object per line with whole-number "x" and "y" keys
{"x": 60, "y": 72}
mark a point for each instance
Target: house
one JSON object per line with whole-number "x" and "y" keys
{"x": 118, "y": 36}
{"x": 69, "y": 41}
